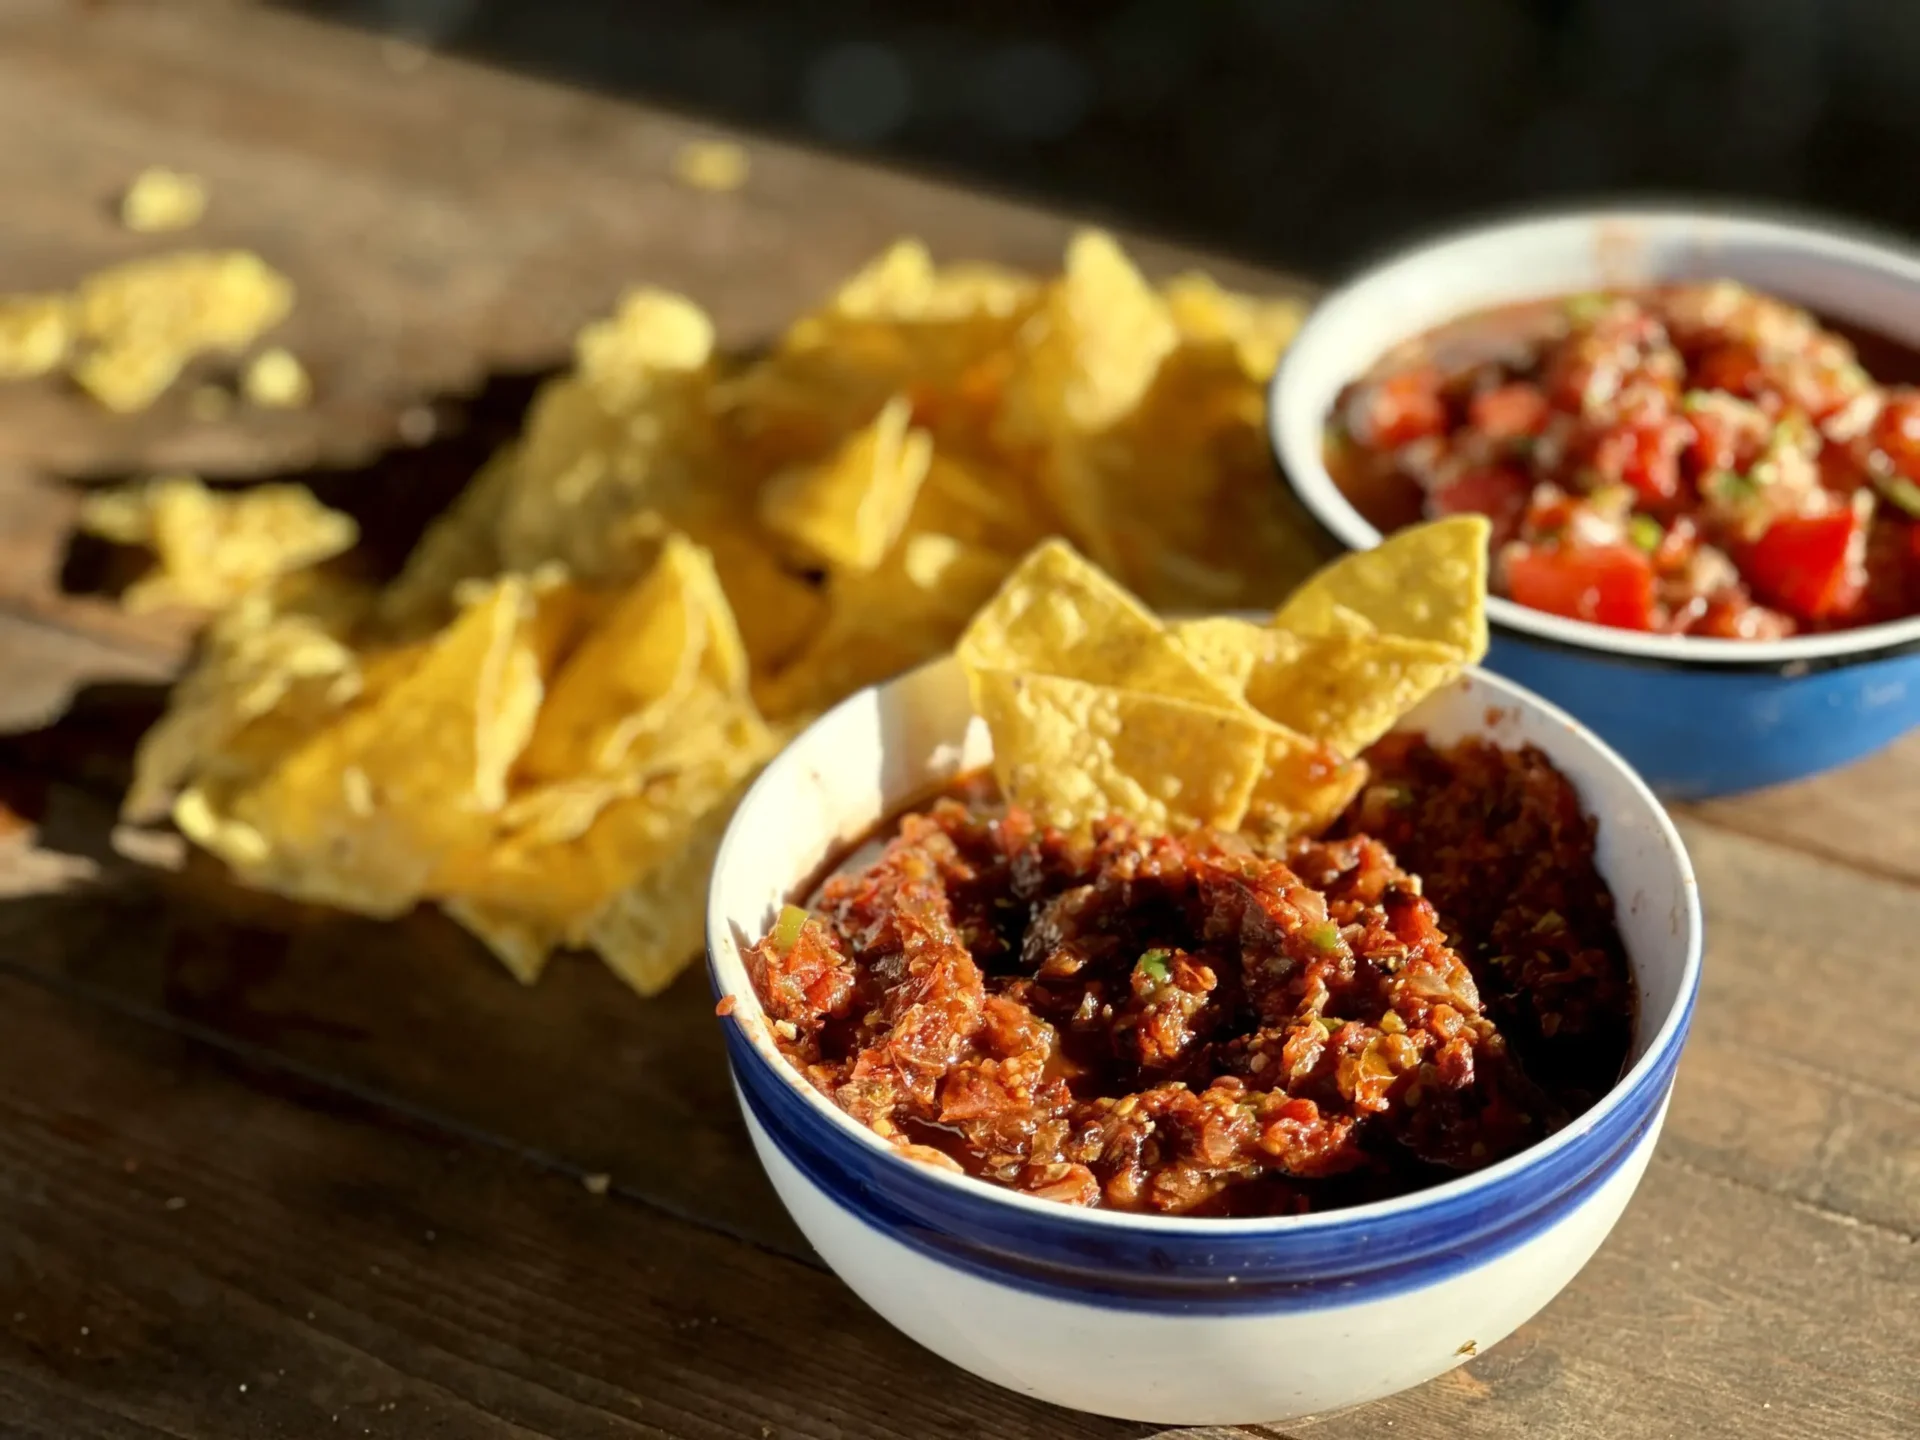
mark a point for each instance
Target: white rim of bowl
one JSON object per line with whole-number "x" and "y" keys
{"x": 1305, "y": 472}
{"x": 729, "y": 968}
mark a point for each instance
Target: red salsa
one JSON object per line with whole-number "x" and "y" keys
{"x": 1693, "y": 460}
{"x": 1186, "y": 1025}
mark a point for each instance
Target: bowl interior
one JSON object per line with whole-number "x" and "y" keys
{"x": 884, "y": 749}
{"x": 1837, "y": 276}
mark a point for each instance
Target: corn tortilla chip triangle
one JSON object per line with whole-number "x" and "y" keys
{"x": 1059, "y": 615}
{"x": 1232, "y": 649}
{"x": 847, "y": 511}
{"x": 1348, "y": 690}
{"x": 367, "y": 812}
{"x": 669, "y": 644}
{"x": 1425, "y": 583}
{"x": 1073, "y": 752}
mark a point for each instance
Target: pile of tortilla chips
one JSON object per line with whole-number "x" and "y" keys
{"x": 1098, "y": 708}
{"x": 543, "y": 723}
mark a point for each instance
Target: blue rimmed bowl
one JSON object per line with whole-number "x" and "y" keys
{"x": 1696, "y": 717}
{"x": 1169, "y": 1320}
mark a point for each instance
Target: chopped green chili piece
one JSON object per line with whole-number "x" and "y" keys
{"x": 1154, "y": 966}
{"x": 786, "y": 930}
{"x": 1645, "y": 532}
{"x": 1585, "y": 309}
{"x": 1728, "y": 487}
{"x": 1325, "y": 937}
{"x": 1900, "y": 492}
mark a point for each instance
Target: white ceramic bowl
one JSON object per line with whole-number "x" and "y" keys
{"x": 1696, "y": 716}
{"x": 1169, "y": 1320}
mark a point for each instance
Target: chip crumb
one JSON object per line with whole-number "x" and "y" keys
{"x": 1471, "y": 1347}
{"x": 161, "y": 199}
{"x": 725, "y": 1007}
{"x": 716, "y": 166}
{"x": 212, "y": 547}
{"x": 36, "y": 331}
{"x": 141, "y": 322}
{"x": 597, "y": 1183}
{"x": 276, "y": 380}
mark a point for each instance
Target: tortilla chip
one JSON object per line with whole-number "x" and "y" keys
{"x": 161, "y": 199}
{"x": 35, "y": 334}
{"x": 214, "y": 547}
{"x": 1073, "y": 752}
{"x": 663, "y": 660}
{"x": 1348, "y": 690}
{"x": 880, "y": 624}
{"x": 1428, "y": 582}
{"x": 428, "y": 759}
{"x": 1059, "y": 615}
{"x": 848, "y": 511}
{"x": 1256, "y": 330}
{"x": 1231, "y": 649}
{"x": 254, "y": 663}
{"x": 142, "y": 321}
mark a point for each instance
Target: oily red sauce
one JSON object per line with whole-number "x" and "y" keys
{"x": 1185, "y": 1025}
{"x": 1693, "y": 459}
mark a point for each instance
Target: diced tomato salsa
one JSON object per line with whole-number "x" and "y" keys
{"x": 1186, "y": 1025}
{"x": 1691, "y": 460}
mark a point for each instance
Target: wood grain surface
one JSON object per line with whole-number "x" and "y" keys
{"x": 262, "y": 1166}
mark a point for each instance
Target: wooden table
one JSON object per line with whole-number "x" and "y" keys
{"x": 272, "y": 1171}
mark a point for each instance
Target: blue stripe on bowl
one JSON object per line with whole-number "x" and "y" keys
{"x": 1192, "y": 1271}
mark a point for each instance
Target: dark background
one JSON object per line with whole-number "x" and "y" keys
{"x": 1300, "y": 133}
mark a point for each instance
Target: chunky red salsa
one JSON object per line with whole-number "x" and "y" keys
{"x": 1695, "y": 459}
{"x": 1188, "y": 1026}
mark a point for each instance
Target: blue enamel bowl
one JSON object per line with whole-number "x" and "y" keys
{"x": 1163, "y": 1318}
{"x": 1696, "y": 717}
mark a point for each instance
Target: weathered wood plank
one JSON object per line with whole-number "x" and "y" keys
{"x": 44, "y": 667}
{"x": 413, "y": 1011}
{"x": 195, "y": 1253}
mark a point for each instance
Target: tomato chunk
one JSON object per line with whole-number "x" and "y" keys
{"x": 1400, "y": 408}
{"x": 1509, "y": 412}
{"x": 1607, "y": 584}
{"x": 1645, "y": 456}
{"x": 1897, "y": 431}
{"x": 1731, "y": 367}
{"x": 1497, "y": 493}
{"x": 1812, "y": 566}
{"x": 1715, "y": 446}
